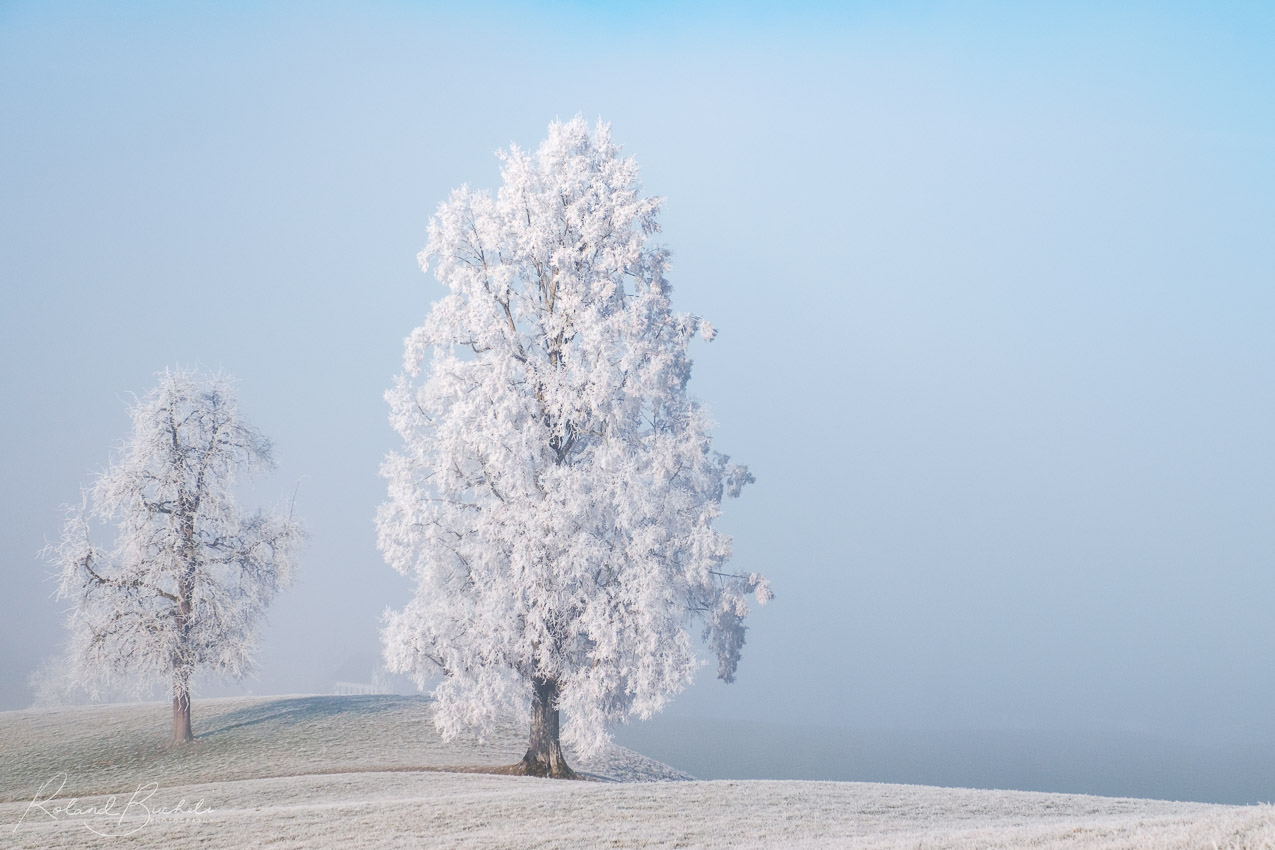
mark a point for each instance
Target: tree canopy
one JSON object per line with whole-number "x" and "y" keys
{"x": 190, "y": 574}
{"x": 556, "y": 490}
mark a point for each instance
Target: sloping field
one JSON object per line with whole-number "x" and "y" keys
{"x": 109, "y": 748}
{"x": 361, "y": 772}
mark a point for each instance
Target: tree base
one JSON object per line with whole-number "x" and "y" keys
{"x": 554, "y": 769}
{"x": 544, "y": 752}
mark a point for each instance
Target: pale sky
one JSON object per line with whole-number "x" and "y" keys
{"x": 995, "y": 288}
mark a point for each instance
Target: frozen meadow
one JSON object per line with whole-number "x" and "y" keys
{"x": 370, "y": 771}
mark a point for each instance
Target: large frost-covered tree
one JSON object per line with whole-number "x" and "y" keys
{"x": 555, "y": 495}
{"x": 190, "y": 575}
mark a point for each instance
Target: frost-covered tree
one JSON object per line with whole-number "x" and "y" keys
{"x": 190, "y": 575}
{"x": 555, "y": 495}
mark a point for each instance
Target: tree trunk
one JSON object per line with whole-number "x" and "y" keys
{"x": 181, "y": 670}
{"x": 181, "y": 710}
{"x": 544, "y": 754}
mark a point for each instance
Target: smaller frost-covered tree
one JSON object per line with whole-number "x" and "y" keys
{"x": 190, "y": 575}
{"x": 556, "y": 493}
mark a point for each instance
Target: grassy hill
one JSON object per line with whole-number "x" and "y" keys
{"x": 364, "y": 772}
{"x": 104, "y": 749}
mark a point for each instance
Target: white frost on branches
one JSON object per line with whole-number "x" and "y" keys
{"x": 555, "y": 494}
{"x": 190, "y": 575}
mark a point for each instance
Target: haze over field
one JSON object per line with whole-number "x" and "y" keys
{"x": 347, "y": 771}
{"x": 995, "y": 293}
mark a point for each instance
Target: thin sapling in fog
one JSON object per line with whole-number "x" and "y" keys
{"x": 190, "y": 575}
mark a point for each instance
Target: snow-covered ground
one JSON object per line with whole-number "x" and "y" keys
{"x": 106, "y": 748}
{"x": 360, "y": 771}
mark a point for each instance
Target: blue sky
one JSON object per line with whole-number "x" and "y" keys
{"x": 995, "y": 285}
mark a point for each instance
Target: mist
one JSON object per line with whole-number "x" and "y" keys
{"x": 995, "y": 291}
